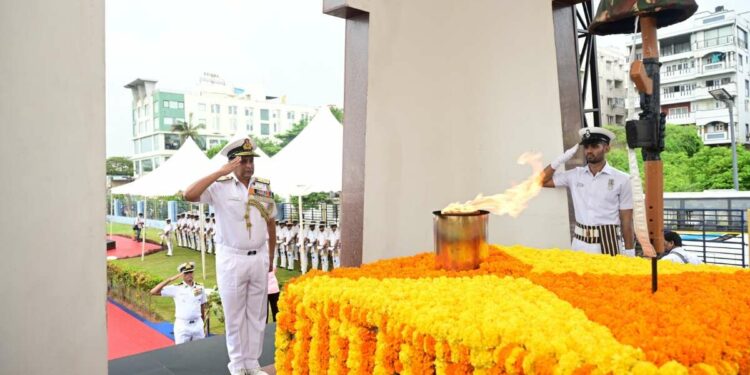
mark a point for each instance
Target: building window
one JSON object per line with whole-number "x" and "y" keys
{"x": 609, "y": 65}
{"x": 147, "y": 144}
{"x": 202, "y": 107}
{"x": 274, "y": 127}
{"x": 180, "y": 105}
{"x": 264, "y": 115}
{"x": 137, "y": 166}
{"x": 264, "y": 128}
{"x": 678, "y": 111}
{"x": 216, "y": 123}
{"x": 215, "y": 108}
{"x": 232, "y": 109}
{"x": 148, "y": 165}
{"x": 248, "y": 127}
{"x": 171, "y": 142}
{"x": 168, "y": 121}
{"x": 742, "y": 42}
{"x": 248, "y": 112}
{"x": 202, "y": 121}
{"x": 233, "y": 124}
{"x": 720, "y": 127}
{"x": 747, "y": 88}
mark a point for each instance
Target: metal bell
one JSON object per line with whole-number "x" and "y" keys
{"x": 618, "y": 16}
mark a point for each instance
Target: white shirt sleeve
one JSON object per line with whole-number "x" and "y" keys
{"x": 562, "y": 179}
{"x": 208, "y": 195}
{"x": 169, "y": 291}
{"x": 626, "y": 196}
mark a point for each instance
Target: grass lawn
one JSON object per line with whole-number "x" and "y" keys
{"x": 162, "y": 266}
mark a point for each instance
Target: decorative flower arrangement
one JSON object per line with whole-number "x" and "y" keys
{"x": 523, "y": 311}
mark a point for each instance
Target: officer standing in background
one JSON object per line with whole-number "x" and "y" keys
{"x": 166, "y": 236}
{"x": 289, "y": 245}
{"x": 190, "y": 304}
{"x": 322, "y": 246}
{"x": 178, "y": 230}
{"x": 138, "y": 226}
{"x": 245, "y": 239}
{"x": 334, "y": 245}
{"x": 282, "y": 244}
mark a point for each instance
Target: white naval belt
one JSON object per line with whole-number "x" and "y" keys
{"x": 233, "y": 250}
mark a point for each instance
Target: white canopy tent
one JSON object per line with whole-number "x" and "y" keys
{"x": 312, "y": 161}
{"x": 186, "y": 166}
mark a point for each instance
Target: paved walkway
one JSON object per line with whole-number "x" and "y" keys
{"x": 126, "y": 335}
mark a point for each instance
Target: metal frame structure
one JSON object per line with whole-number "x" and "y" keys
{"x": 584, "y": 12}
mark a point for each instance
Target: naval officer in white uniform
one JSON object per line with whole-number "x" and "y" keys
{"x": 245, "y": 239}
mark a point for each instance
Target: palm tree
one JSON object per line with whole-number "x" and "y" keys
{"x": 188, "y": 129}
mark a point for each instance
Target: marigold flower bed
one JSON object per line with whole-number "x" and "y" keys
{"x": 523, "y": 311}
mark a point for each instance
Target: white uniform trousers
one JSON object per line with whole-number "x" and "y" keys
{"x": 282, "y": 253}
{"x": 243, "y": 281}
{"x": 591, "y": 248}
{"x": 276, "y": 255}
{"x": 177, "y": 237}
{"x": 168, "y": 239}
{"x": 303, "y": 258}
{"x": 315, "y": 259}
{"x": 324, "y": 259}
{"x": 185, "y": 331}
{"x": 290, "y": 256}
{"x": 336, "y": 258}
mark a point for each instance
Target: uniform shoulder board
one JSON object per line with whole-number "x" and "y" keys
{"x": 263, "y": 180}
{"x": 197, "y": 284}
{"x": 225, "y": 178}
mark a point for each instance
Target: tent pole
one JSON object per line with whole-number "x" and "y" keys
{"x": 299, "y": 209}
{"x": 143, "y": 240}
{"x": 202, "y": 236}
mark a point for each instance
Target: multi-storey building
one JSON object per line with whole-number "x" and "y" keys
{"x": 707, "y": 51}
{"x": 223, "y": 109}
{"x": 613, "y": 78}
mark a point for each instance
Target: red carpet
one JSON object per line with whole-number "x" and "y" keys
{"x": 127, "y": 335}
{"x": 127, "y": 248}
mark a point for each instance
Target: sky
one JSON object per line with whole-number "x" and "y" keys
{"x": 289, "y": 47}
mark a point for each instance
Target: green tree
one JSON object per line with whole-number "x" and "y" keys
{"x": 312, "y": 200}
{"x": 682, "y": 138}
{"x": 289, "y": 135}
{"x": 338, "y": 113}
{"x": 211, "y": 152}
{"x": 712, "y": 167}
{"x": 677, "y": 175}
{"x": 268, "y": 145}
{"x": 119, "y": 166}
{"x": 189, "y": 129}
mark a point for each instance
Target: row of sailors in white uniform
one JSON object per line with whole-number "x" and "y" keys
{"x": 322, "y": 245}
{"x": 187, "y": 232}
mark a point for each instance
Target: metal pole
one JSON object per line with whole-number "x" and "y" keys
{"x": 143, "y": 232}
{"x": 735, "y": 179}
{"x": 202, "y": 238}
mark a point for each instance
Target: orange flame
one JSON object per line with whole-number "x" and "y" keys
{"x": 514, "y": 200}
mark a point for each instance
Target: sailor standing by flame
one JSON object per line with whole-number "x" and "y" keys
{"x": 602, "y": 196}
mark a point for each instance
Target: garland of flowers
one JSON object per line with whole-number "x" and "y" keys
{"x": 522, "y": 311}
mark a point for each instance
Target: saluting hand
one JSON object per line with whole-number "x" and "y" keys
{"x": 230, "y": 167}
